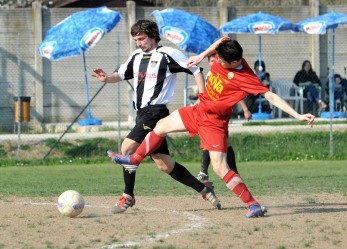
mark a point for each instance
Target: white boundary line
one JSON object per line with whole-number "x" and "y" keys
{"x": 193, "y": 222}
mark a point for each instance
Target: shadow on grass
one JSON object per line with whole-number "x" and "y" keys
{"x": 311, "y": 208}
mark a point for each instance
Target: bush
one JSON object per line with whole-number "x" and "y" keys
{"x": 271, "y": 147}
{"x": 296, "y": 146}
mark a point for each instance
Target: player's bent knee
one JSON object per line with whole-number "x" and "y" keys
{"x": 163, "y": 162}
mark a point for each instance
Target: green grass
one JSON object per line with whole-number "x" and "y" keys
{"x": 293, "y": 146}
{"x": 263, "y": 178}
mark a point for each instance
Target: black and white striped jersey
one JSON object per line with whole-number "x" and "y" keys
{"x": 154, "y": 74}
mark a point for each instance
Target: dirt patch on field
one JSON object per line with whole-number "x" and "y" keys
{"x": 318, "y": 221}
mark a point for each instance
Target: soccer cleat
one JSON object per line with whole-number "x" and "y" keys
{"x": 211, "y": 196}
{"x": 256, "y": 210}
{"x": 123, "y": 160}
{"x": 202, "y": 176}
{"x": 124, "y": 202}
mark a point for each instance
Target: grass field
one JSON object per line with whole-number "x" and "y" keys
{"x": 263, "y": 178}
{"x": 307, "y": 202}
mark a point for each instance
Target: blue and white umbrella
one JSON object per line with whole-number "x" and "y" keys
{"x": 259, "y": 23}
{"x": 188, "y": 31}
{"x": 75, "y": 35}
{"x": 78, "y": 33}
{"x": 319, "y": 25}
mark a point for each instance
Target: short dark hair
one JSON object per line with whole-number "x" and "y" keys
{"x": 230, "y": 50}
{"x": 210, "y": 56}
{"x": 147, "y": 27}
{"x": 337, "y": 76}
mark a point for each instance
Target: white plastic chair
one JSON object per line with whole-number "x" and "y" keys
{"x": 289, "y": 91}
{"x": 193, "y": 93}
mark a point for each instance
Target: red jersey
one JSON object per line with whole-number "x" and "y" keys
{"x": 225, "y": 87}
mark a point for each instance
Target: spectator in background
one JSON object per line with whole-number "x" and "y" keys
{"x": 340, "y": 92}
{"x": 251, "y": 100}
{"x": 308, "y": 78}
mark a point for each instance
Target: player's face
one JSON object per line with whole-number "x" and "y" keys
{"x": 225, "y": 64}
{"x": 145, "y": 43}
{"x": 211, "y": 60}
{"x": 307, "y": 66}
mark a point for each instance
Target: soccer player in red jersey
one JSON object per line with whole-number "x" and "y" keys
{"x": 231, "y": 80}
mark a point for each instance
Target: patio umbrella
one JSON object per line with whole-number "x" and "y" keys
{"x": 259, "y": 23}
{"x": 188, "y": 31}
{"x": 319, "y": 25}
{"x": 77, "y": 34}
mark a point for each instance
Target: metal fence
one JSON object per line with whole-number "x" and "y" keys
{"x": 57, "y": 90}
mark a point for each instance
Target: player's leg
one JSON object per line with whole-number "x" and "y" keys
{"x": 205, "y": 162}
{"x": 146, "y": 120}
{"x": 215, "y": 140}
{"x": 127, "y": 199}
{"x": 171, "y": 123}
{"x": 234, "y": 182}
{"x": 231, "y": 160}
{"x": 181, "y": 174}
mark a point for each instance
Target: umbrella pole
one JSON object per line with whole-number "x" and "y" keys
{"x": 87, "y": 85}
{"x": 186, "y": 95}
{"x": 260, "y": 74}
{"x": 333, "y": 73}
{"x": 332, "y": 91}
{"x": 260, "y": 114}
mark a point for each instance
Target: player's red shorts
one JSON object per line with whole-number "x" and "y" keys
{"x": 210, "y": 127}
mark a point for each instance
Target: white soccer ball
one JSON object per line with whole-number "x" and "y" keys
{"x": 70, "y": 203}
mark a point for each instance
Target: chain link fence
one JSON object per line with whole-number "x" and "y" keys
{"x": 41, "y": 99}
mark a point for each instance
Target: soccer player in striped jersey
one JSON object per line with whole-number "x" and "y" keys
{"x": 153, "y": 69}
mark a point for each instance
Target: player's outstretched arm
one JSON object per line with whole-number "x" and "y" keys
{"x": 284, "y": 106}
{"x": 200, "y": 82}
{"x": 103, "y": 77}
{"x": 196, "y": 59}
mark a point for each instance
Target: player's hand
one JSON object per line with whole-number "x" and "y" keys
{"x": 307, "y": 117}
{"x": 194, "y": 60}
{"x": 247, "y": 114}
{"x": 99, "y": 74}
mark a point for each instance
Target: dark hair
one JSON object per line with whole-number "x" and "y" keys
{"x": 303, "y": 65}
{"x": 256, "y": 64}
{"x": 147, "y": 27}
{"x": 230, "y": 50}
{"x": 337, "y": 76}
{"x": 212, "y": 55}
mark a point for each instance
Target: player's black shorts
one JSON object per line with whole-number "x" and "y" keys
{"x": 146, "y": 120}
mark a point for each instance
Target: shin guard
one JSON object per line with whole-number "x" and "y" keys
{"x": 234, "y": 182}
{"x": 151, "y": 142}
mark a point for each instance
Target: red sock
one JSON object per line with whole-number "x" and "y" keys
{"x": 151, "y": 142}
{"x": 235, "y": 184}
